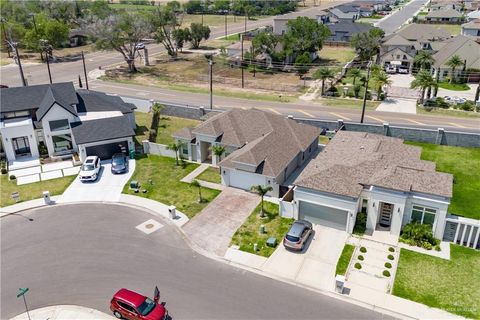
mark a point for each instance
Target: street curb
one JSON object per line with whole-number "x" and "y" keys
{"x": 212, "y": 256}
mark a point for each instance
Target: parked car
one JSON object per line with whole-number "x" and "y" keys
{"x": 119, "y": 163}
{"x": 90, "y": 169}
{"x": 390, "y": 69}
{"x": 455, "y": 100}
{"x": 127, "y": 304}
{"x": 402, "y": 70}
{"x": 298, "y": 235}
{"x": 140, "y": 46}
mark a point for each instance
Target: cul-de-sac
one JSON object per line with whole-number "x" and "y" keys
{"x": 239, "y": 159}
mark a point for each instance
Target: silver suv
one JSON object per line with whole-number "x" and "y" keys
{"x": 298, "y": 235}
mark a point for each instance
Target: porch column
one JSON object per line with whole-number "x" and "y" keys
{"x": 470, "y": 236}
{"x": 189, "y": 147}
{"x": 476, "y": 238}
{"x": 463, "y": 234}
{"x": 456, "y": 233}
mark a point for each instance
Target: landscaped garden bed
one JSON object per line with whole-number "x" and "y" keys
{"x": 344, "y": 259}
{"x": 451, "y": 285}
{"x": 249, "y": 233}
{"x": 166, "y": 186}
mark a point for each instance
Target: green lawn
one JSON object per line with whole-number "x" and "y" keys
{"x": 167, "y": 126}
{"x": 348, "y": 103}
{"x": 454, "y": 86}
{"x": 448, "y": 285}
{"x": 211, "y": 175}
{"x": 344, "y": 259}
{"x": 32, "y": 190}
{"x": 454, "y": 29}
{"x": 248, "y": 233}
{"x": 337, "y": 55}
{"x": 231, "y": 37}
{"x": 167, "y": 187}
{"x": 464, "y": 164}
{"x": 448, "y": 112}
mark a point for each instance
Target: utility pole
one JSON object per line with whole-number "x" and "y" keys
{"x": 254, "y": 60}
{"x": 369, "y": 66}
{"x": 48, "y": 67}
{"x": 47, "y": 49}
{"x": 21, "y": 293}
{"x": 85, "y": 71}
{"x": 17, "y": 57}
{"x": 210, "y": 64}
{"x": 226, "y": 16}
{"x": 241, "y": 62}
{"x": 5, "y": 35}
{"x": 246, "y": 17}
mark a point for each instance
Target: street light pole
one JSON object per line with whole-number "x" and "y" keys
{"x": 17, "y": 56}
{"x": 226, "y": 16}
{"x": 241, "y": 62}
{"x": 85, "y": 71}
{"x": 369, "y": 66}
{"x": 21, "y": 293}
{"x": 210, "y": 64}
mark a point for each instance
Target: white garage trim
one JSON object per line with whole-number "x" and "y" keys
{"x": 83, "y": 151}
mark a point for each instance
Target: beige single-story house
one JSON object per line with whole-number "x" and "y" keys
{"x": 374, "y": 174}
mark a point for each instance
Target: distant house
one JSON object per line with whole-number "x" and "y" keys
{"x": 261, "y": 148}
{"x": 77, "y": 37}
{"x": 472, "y": 29}
{"x": 280, "y": 22}
{"x": 473, "y": 15}
{"x": 348, "y": 12}
{"x": 464, "y": 47}
{"x": 343, "y": 30}
{"x": 400, "y": 48}
{"x": 444, "y": 15}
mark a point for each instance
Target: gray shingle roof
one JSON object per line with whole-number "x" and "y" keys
{"x": 474, "y": 24}
{"x": 415, "y": 31}
{"x": 312, "y": 13}
{"x": 94, "y": 101}
{"x": 355, "y": 159}
{"x": 101, "y": 129}
{"x": 267, "y": 141}
{"x": 348, "y": 27}
{"x": 445, "y": 13}
{"x": 25, "y": 98}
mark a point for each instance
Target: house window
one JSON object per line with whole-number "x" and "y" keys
{"x": 423, "y": 215}
{"x": 184, "y": 149}
{"x": 57, "y": 125}
{"x": 62, "y": 142}
{"x": 398, "y": 56}
{"x": 364, "y": 205}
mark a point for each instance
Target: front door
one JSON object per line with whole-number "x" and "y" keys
{"x": 386, "y": 214}
{"x": 21, "y": 146}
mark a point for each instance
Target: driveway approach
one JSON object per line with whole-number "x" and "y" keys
{"x": 82, "y": 254}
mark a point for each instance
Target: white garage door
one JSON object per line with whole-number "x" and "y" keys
{"x": 245, "y": 180}
{"x": 326, "y": 216}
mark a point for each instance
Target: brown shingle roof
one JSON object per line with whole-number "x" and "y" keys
{"x": 267, "y": 141}
{"x": 464, "y": 47}
{"x": 355, "y": 159}
{"x": 445, "y": 13}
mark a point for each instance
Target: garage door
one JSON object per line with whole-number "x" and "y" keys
{"x": 107, "y": 150}
{"x": 326, "y": 216}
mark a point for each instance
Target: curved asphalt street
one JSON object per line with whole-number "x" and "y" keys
{"x": 82, "y": 254}
{"x": 397, "y": 19}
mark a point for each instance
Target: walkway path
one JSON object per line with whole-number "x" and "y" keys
{"x": 195, "y": 173}
{"x": 64, "y": 312}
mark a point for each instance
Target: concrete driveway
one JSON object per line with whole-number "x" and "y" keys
{"x": 315, "y": 265}
{"x": 108, "y": 186}
{"x": 213, "y": 228}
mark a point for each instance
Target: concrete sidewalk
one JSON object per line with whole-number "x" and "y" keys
{"x": 192, "y": 175}
{"x": 64, "y": 312}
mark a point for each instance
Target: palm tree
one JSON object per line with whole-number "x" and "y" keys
{"x": 175, "y": 147}
{"x": 261, "y": 191}
{"x": 218, "y": 151}
{"x": 454, "y": 62}
{"x": 379, "y": 80}
{"x": 324, "y": 74}
{"x": 423, "y": 80}
{"x": 355, "y": 73}
{"x": 424, "y": 58}
{"x": 197, "y": 184}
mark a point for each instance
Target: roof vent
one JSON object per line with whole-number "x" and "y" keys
{"x": 362, "y": 147}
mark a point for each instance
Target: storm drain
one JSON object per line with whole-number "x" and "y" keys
{"x": 149, "y": 226}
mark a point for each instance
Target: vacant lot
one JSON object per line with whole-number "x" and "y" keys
{"x": 166, "y": 186}
{"x": 463, "y": 163}
{"x": 439, "y": 283}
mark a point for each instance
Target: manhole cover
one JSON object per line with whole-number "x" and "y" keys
{"x": 149, "y": 226}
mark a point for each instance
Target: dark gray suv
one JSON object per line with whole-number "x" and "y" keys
{"x": 119, "y": 163}
{"x": 298, "y": 235}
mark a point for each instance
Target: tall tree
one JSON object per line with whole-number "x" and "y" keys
{"x": 180, "y": 36}
{"x": 367, "y": 44}
{"x": 121, "y": 31}
{"x": 175, "y": 147}
{"x": 165, "y": 22}
{"x": 197, "y": 184}
{"x": 261, "y": 191}
{"x": 379, "y": 80}
{"x": 454, "y": 62}
{"x": 265, "y": 42}
{"x": 304, "y": 35}
{"x": 324, "y": 74}
{"x": 198, "y": 32}
{"x": 424, "y": 59}
{"x": 423, "y": 80}
{"x": 302, "y": 65}
{"x": 354, "y": 73}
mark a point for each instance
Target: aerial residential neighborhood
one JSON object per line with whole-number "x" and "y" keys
{"x": 239, "y": 159}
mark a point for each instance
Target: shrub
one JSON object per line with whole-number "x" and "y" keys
{"x": 386, "y": 273}
{"x": 437, "y": 248}
{"x": 42, "y": 149}
{"x": 427, "y": 245}
{"x": 363, "y": 250}
{"x": 360, "y": 223}
{"x": 12, "y": 177}
{"x": 4, "y": 170}
{"x": 390, "y": 257}
{"x": 361, "y": 258}
{"x": 391, "y": 249}
{"x": 467, "y": 106}
{"x": 416, "y": 234}
{"x": 388, "y": 265}
{"x": 356, "y": 90}
{"x": 358, "y": 266}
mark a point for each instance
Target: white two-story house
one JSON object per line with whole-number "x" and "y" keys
{"x": 56, "y": 121}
